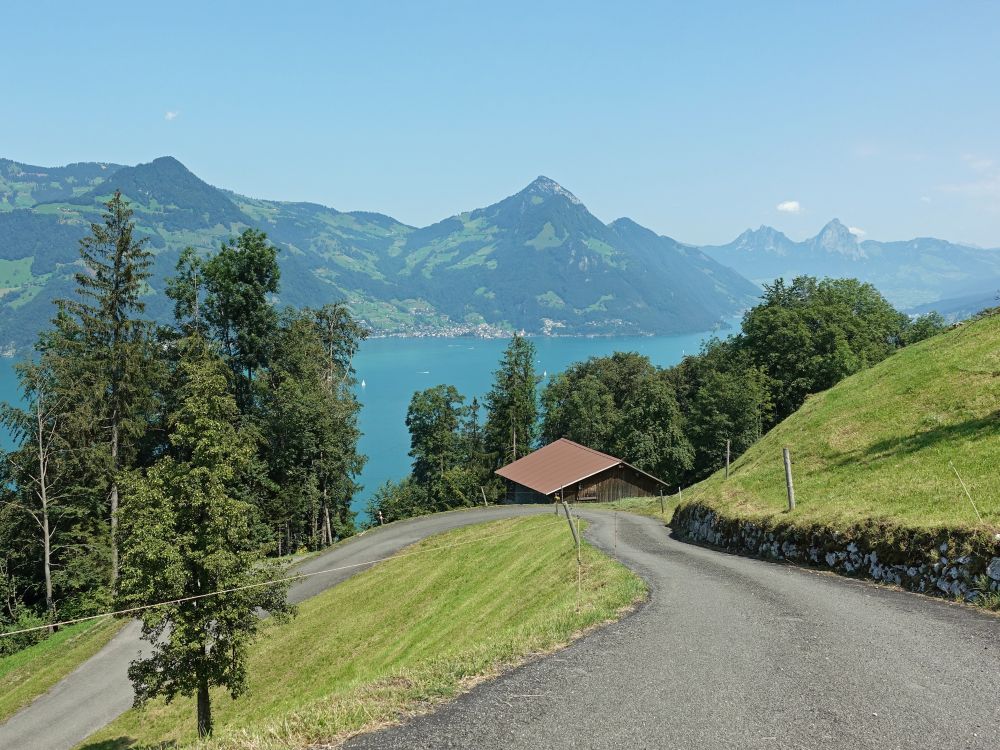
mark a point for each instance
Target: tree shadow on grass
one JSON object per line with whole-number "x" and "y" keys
{"x": 126, "y": 743}
{"x": 970, "y": 430}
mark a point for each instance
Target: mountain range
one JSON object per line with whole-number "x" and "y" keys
{"x": 537, "y": 260}
{"x": 911, "y": 273}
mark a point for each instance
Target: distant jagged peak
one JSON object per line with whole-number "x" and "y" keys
{"x": 836, "y": 237}
{"x": 835, "y": 228}
{"x": 763, "y": 231}
{"x": 546, "y": 187}
{"x": 763, "y": 239}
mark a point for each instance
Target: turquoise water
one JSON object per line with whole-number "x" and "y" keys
{"x": 393, "y": 368}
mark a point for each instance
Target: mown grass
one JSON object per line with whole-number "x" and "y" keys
{"x": 401, "y": 637}
{"x": 29, "y": 673}
{"x": 878, "y": 446}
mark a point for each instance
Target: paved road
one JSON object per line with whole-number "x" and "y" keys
{"x": 742, "y": 654}
{"x": 99, "y": 690}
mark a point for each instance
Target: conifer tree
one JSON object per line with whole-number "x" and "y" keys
{"x": 187, "y": 290}
{"x": 512, "y": 404}
{"x": 101, "y": 348}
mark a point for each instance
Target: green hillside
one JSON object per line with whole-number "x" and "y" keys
{"x": 400, "y": 638}
{"x": 877, "y": 447}
{"x": 537, "y": 260}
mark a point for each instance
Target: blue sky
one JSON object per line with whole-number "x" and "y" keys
{"x": 696, "y": 119}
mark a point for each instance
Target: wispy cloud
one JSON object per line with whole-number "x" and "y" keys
{"x": 867, "y": 150}
{"x": 984, "y": 184}
{"x": 171, "y": 114}
{"x": 925, "y": 199}
{"x": 977, "y": 163}
{"x": 789, "y": 207}
{"x": 987, "y": 187}
{"x": 857, "y": 232}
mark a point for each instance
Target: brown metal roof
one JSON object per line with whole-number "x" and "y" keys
{"x": 558, "y": 465}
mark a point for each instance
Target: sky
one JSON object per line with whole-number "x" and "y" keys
{"x": 696, "y": 119}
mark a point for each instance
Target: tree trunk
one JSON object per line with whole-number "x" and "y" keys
{"x": 50, "y": 604}
{"x": 204, "y": 708}
{"x": 43, "y": 496}
{"x": 326, "y": 519}
{"x": 314, "y": 514}
{"x": 114, "y": 500}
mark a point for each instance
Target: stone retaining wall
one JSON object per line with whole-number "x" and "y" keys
{"x": 953, "y": 563}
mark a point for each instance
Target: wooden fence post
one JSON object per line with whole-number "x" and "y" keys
{"x": 576, "y": 539}
{"x": 663, "y": 511}
{"x": 727, "y": 458}
{"x": 788, "y": 478}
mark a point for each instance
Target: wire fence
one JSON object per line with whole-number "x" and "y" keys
{"x": 261, "y": 584}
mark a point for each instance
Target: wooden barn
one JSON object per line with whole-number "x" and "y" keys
{"x": 575, "y": 473}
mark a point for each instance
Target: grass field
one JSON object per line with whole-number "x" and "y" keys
{"x": 879, "y": 445}
{"x": 27, "y": 674}
{"x": 401, "y": 637}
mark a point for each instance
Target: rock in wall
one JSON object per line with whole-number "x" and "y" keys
{"x": 948, "y": 562}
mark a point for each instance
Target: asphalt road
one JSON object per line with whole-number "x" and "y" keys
{"x": 737, "y": 653}
{"x": 99, "y": 690}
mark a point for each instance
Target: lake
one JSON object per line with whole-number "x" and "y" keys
{"x": 393, "y": 368}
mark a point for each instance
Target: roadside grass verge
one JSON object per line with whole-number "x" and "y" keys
{"x": 29, "y": 673}
{"x": 877, "y": 447}
{"x": 401, "y": 638}
{"x": 643, "y": 506}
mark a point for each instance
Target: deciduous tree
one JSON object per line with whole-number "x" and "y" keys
{"x": 186, "y": 536}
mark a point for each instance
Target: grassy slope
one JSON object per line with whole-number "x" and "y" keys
{"x": 402, "y": 636}
{"x": 877, "y": 445}
{"x": 27, "y": 674}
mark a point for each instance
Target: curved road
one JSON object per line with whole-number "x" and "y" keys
{"x": 737, "y": 653}
{"x": 99, "y": 690}
{"x": 728, "y": 653}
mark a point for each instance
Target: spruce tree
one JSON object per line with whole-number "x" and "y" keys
{"x": 187, "y": 290}
{"x": 101, "y": 348}
{"x": 512, "y": 404}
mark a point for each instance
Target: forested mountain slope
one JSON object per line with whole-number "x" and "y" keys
{"x": 537, "y": 261}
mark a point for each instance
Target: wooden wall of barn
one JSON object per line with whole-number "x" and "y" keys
{"x": 613, "y": 484}
{"x": 519, "y": 494}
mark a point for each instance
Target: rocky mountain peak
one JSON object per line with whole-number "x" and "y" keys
{"x": 546, "y": 187}
{"x": 835, "y": 237}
